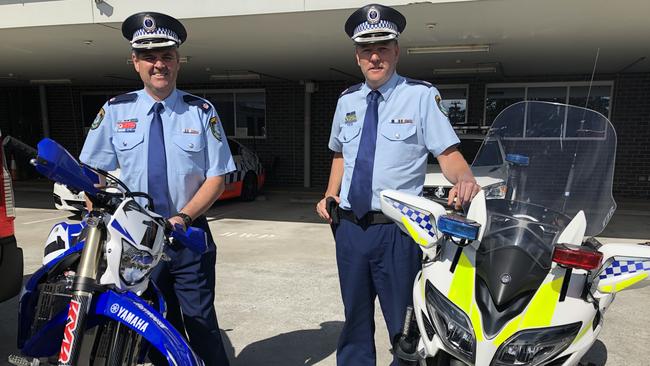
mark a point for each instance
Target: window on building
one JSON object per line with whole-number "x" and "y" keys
{"x": 242, "y": 112}
{"x": 454, "y": 100}
{"x": 499, "y": 96}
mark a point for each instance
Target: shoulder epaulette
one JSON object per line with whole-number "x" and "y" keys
{"x": 418, "y": 82}
{"x": 351, "y": 89}
{"x": 124, "y": 98}
{"x": 196, "y": 101}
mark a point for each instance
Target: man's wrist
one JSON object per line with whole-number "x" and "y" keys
{"x": 187, "y": 219}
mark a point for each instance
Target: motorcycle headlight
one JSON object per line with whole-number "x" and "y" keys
{"x": 135, "y": 264}
{"x": 495, "y": 191}
{"x": 535, "y": 346}
{"x": 452, "y": 325}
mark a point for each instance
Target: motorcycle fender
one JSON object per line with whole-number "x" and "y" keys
{"x": 133, "y": 312}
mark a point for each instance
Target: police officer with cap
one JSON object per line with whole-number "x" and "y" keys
{"x": 382, "y": 132}
{"x": 171, "y": 145}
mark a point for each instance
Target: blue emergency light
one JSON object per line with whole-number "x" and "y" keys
{"x": 517, "y": 159}
{"x": 459, "y": 227}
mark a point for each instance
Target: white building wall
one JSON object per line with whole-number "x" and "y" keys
{"x": 16, "y": 14}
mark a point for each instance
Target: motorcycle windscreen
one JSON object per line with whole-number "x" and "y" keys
{"x": 559, "y": 160}
{"x": 570, "y": 153}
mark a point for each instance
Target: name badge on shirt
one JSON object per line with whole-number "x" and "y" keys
{"x": 351, "y": 117}
{"x": 128, "y": 125}
{"x": 401, "y": 121}
{"x": 190, "y": 131}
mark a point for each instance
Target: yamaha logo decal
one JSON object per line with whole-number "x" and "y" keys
{"x": 115, "y": 308}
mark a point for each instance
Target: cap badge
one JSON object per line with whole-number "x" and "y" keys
{"x": 373, "y": 15}
{"x": 148, "y": 24}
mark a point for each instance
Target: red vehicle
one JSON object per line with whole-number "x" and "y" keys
{"x": 11, "y": 257}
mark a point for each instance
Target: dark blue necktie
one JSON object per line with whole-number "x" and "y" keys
{"x": 157, "y": 186}
{"x": 360, "y": 195}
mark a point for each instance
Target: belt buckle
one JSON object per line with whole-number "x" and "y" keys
{"x": 365, "y": 220}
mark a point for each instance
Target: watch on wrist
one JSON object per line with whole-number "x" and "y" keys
{"x": 187, "y": 220}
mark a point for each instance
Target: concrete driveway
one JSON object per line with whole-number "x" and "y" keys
{"x": 278, "y": 297}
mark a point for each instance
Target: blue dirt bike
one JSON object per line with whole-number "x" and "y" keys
{"x": 92, "y": 301}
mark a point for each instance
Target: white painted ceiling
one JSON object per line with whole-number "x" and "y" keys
{"x": 526, "y": 37}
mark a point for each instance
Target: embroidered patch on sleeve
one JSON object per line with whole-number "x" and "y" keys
{"x": 441, "y": 107}
{"x": 98, "y": 120}
{"x": 214, "y": 127}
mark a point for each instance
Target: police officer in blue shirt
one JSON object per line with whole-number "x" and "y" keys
{"x": 171, "y": 145}
{"x": 382, "y": 132}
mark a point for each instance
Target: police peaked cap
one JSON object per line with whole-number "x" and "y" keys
{"x": 150, "y": 30}
{"x": 375, "y": 23}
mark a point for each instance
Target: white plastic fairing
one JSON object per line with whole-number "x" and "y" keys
{"x": 132, "y": 224}
{"x": 575, "y": 231}
{"x": 416, "y": 216}
{"x": 61, "y": 238}
{"x": 478, "y": 212}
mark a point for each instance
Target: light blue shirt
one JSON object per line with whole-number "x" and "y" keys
{"x": 411, "y": 124}
{"x": 195, "y": 143}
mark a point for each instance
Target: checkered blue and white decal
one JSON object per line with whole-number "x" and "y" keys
{"x": 621, "y": 267}
{"x": 423, "y": 219}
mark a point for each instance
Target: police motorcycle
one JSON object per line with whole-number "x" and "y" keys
{"x": 520, "y": 279}
{"x": 92, "y": 301}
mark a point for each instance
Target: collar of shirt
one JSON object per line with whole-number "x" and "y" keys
{"x": 169, "y": 103}
{"x": 386, "y": 89}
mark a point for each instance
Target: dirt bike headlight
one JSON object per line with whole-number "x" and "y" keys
{"x": 452, "y": 325}
{"x": 535, "y": 346}
{"x": 135, "y": 264}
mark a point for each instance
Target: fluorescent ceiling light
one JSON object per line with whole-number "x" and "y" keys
{"x": 466, "y": 70}
{"x": 449, "y": 49}
{"x": 50, "y": 81}
{"x": 235, "y": 76}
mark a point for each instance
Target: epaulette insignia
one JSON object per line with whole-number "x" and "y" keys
{"x": 124, "y": 98}
{"x": 196, "y": 101}
{"x": 418, "y": 82}
{"x": 351, "y": 89}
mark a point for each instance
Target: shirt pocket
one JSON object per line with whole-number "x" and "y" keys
{"x": 349, "y": 133}
{"x": 128, "y": 148}
{"x": 189, "y": 157}
{"x": 350, "y": 136}
{"x": 127, "y": 141}
{"x": 398, "y": 131}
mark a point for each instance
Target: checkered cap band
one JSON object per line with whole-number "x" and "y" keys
{"x": 422, "y": 219}
{"x": 159, "y": 33}
{"x": 383, "y": 26}
{"x": 618, "y": 268}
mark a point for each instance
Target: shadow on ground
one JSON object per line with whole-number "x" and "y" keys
{"x": 297, "y": 348}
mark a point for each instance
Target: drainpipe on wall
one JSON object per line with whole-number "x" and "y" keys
{"x": 310, "y": 88}
{"x": 44, "y": 119}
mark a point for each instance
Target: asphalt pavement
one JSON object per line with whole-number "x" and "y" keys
{"x": 278, "y": 298}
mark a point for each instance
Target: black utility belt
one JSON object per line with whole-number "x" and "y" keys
{"x": 371, "y": 218}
